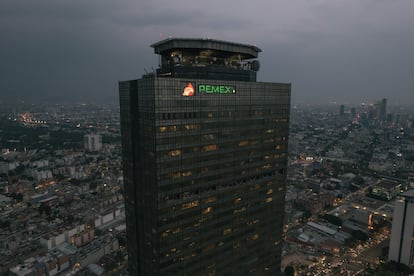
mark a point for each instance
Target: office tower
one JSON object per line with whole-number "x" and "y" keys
{"x": 92, "y": 142}
{"x": 402, "y": 232}
{"x": 353, "y": 112}
{"x": 341, "y": 110}
{"x": 383, "y": 110}
{"x": 204, "y": 159}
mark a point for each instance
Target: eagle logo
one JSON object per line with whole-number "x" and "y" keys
{"x": 188, "y": 90}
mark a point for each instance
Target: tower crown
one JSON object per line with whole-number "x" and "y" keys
{"x": 191, "y": 58}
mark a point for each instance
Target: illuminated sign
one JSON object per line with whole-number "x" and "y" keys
{"x": 189, "y": 89}
{"x": 216, "y": 89}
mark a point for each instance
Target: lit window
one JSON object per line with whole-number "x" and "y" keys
{"x": 176, "y": 175}
{"x": 190, "y": 204}
{"x": 190, "y": 127}
{"x": 254, "y": 237}
{"x": 227, "y": 231}
{"x": 243, "y": 143}
{"x": 210, "y": 147}
{"x": 267, "y": 166}
{"x": 208, "y": 136}
{"x": 163, "y": 129}
{"x": 174, "y": 152}
{"x": 207, "y": 210}
{"x": 252, "y": 222}
{"x": 188, "y": 173}
{"x": 270, "y": 191}
{"x": 210, "y": 199}
{"x": 239, "y": 210}
{"x": 237, "y": 200}
{"x": 269, "y": 199}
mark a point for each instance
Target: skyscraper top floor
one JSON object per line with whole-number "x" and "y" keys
{"x": 215, "y": 59}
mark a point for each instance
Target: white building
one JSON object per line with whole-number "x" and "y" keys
{"x": 402, "y": 232}
{"x": 92, "y": 142}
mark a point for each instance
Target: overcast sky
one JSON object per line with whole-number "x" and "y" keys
{"x": 347, "y": 51}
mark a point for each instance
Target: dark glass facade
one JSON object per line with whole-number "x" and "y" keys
{"x": 204, "y": 175}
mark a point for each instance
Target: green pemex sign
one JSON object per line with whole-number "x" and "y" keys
{"x": 189, "y": 89}
{"x": 216, "y": 89}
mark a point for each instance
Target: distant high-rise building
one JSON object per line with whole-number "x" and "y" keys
{"x": 341, "y": 110}
{"x": 204, "y": 159}
{"x": 402, "y": 232}
{"x": 353, "y": 112}
{"x": 383, "y": 110}
{"x": 92, "y": 142}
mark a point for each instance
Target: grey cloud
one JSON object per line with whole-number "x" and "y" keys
{"x": 344, "y": 50}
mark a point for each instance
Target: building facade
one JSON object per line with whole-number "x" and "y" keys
{"x": 402, "y": 232}
{"x": 92, "y": 142}
{"x": 204, "y": 159}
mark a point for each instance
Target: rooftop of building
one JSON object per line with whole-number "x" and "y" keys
{"x": 171, "y": 44}
{"x": 199, "y": 58}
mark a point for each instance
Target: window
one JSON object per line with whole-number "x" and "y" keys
{"x": 187, "y": 173}
{"x": 227, "y": 231}
{"x": 207, "y": 210}
{"x": 191, "y": 204}
{"x": 210, "y": 147}
{"x": 243, "y": 143}
{"x": 174, "y": 152}
{"x": 163, "y": 129}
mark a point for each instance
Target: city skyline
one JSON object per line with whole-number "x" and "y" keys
{"x": 74, "y": 51}
{"x": 344, "y": 169}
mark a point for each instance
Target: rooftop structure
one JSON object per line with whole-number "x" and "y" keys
{"x": 207, "y": 58}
